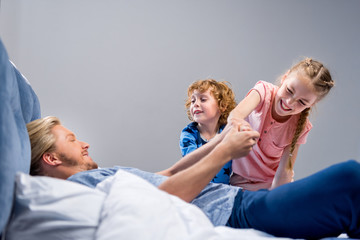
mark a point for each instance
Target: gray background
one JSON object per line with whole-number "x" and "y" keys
{"x": 116, "y": 72}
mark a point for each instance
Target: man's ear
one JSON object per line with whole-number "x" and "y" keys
{"x": 51, "y": 159}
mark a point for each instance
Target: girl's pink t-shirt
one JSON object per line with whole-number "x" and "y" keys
{"x": 260, "y": 165}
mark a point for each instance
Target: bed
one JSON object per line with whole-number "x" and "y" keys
{"x": 123, "y": 206}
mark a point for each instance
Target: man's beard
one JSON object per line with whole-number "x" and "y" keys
{"x": 73, "y": 163}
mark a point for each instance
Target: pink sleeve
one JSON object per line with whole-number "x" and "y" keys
{"x": 261, "y": 89}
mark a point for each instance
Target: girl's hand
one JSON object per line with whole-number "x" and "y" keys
{"x": 245, "y": 126}
{"x": 239, "y": 124}
{"x": 239, "y": 143}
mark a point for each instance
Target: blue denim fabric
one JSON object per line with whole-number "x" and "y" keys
{"x": 324, "y": 204}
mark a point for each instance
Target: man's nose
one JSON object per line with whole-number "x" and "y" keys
{"x": 85, "y": 145}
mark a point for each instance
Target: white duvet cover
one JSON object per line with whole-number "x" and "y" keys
{"x": 135, "y": 209}
{"x": 122, "y": 207}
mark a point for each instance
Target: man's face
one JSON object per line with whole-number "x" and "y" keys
{"x": 71, "y": 151}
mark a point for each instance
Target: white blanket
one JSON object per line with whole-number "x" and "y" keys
{"x": 122, "y": 207}
{"x": 135, "y": 209}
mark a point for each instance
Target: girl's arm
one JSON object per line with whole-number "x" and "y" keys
{"x": 245, "y": 107}
{"x": 283, "y": 173}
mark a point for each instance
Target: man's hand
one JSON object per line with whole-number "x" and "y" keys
{"x": 239, "y": 142}
{"x": 238, "y": 124}
{"x": 193, "y": 172}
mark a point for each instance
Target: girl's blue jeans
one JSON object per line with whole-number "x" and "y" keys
{"x": 324, "y": 204}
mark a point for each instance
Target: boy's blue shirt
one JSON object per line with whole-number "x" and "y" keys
{"x": 191, "y": 140}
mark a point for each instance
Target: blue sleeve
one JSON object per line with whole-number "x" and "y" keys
{"x": 187, "y": 142}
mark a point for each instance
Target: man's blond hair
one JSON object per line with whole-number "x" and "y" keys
{"x": 42, "y": 140}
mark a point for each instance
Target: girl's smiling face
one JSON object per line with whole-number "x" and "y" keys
{"x": 204, "y": 107}
{"x": 295, "y": 94}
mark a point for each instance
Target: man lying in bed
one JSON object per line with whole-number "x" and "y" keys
{"x": 322, "y": 205}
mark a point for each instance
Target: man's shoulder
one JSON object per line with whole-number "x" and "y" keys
{"x": 92, "y": 177}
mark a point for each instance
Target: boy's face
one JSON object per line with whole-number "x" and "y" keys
{"x": 204, "y": 108}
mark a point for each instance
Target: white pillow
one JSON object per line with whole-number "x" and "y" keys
{"x": 49, "y": 208}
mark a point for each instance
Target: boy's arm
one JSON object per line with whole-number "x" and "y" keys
{"x": 187, "y": 184}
